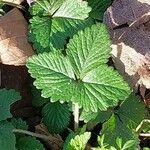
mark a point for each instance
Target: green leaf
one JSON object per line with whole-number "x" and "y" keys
{"x": 95, "y": 82}
{"x": 72, "y": 135}
{"x": 37, "y": 99}
{"x": 146, "y": 148}
{"x": 101, "y": 143}
{"x": 132, "y": 116}
{"x": 29, "y": 143}
{"x": 74, "y": 9}
{"x": 48, "y": 7}
{"x": 119, "y": 142}
{"x": 54, "y": 74}
{"x": 131, "y": 112}
{"x": 68, "y": 139}
{"x": 19, "y": 124}
{"x": 7, "y": 138}
{"x": 48, "y": 31}
{"x": 79, "y": 142}
{"x": 7, "y": 97}
{"x": 98, "y": 8}
{"x": 128, "y": 144}
{"x": 114, "y": 128}
{"x": 89, "y": 49}
{"x": 56, "y": 116}
{"x": 99, "y": 117}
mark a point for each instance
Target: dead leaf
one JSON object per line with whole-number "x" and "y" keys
{"x": 30, "y": 1}
{"x": 131, "y": 45}
{"x": 125, "y": 12}
{"x": 17, "y": 2}
{"x": 14, "y": 46}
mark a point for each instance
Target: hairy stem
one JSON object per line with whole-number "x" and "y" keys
{"x": 76, "y": 116}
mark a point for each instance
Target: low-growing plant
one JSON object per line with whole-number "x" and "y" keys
{"x": 71, "y": 68}
{"x": 72, "y": 75}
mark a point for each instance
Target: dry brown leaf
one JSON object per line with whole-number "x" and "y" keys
{"x": 14, "y": 46}
{"x": 17, "y": 2}
{"x": 131, "y": 45}
{"x": 125, "y": 12}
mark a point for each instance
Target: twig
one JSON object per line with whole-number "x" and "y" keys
{"x": 41, "y": 136}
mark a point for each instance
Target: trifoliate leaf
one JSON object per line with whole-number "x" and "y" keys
{"x": 98, "y": 8}
{"x": 46, "y": 33}
{"x": 19, "y": 124}
{"x": 7, "y": 138}
{"x": 7, "y": 97}
{"x": 114, "y": 128}
{"x": 132, "y": 111}
{"x": 96, "y": 85}
{"x": 99, "y": 117}
{"x": 29, "y": 143}
{"x": 37, "y": 99}
{"x": 50, "y": 30}
{"x": 74, "y": 9}
{"x": 79, "y": 142}
{"x": 56, "y": 116}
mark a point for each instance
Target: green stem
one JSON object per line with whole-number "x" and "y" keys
{"x": 76, "y": 116}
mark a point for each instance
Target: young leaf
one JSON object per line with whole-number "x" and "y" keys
{"x": 87, "y": 54}
{"x": 48, "y": 31}
{"x": 119, "y": 142}
{"x": 7, "y": 97}
{"x": 29, "y": 143}
{"x": 79, "y": 142}
{"x": 114, "y": 128}
{"x": 56, "y": 116}
{"x": 146, "y": 148}
{"x": 125, "y": 120}
{"x": 74, "y": 9}
{"x": 7, "y": 138}
{"x": 72, "y": 135}
{"x": 128, "y": 144}
{"x": 98, "y": 8}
